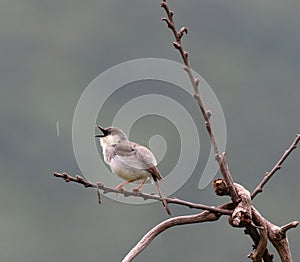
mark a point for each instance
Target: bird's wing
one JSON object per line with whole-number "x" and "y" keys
{"x": 126, "y": 153}
{"x": 138, "y": 157}
{"x": 124, "y": 149}
{"x": 146, "y": 156}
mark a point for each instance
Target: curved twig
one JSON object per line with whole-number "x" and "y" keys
{"x": 205, "y": 216}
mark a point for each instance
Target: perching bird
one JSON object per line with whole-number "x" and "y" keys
{"x": 128, "y": 160}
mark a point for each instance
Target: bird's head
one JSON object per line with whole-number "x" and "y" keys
{"x": 111, "y": 136}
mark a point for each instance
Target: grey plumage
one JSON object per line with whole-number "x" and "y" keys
{"x": 128, "y": 160}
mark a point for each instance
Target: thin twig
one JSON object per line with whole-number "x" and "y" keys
{"x": 278, "y": 165}
{"x": 106, "y": 189}
{"x": 289, "y": 226}
{"x": 98, "y": 194}
{"x": 206, "y": 113}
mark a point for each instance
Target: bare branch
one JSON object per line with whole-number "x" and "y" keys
{"x": 278, "y": 165}
{"x": 253, "y": 233}
{"x": 205, "y": 216}
{"x": 242, "y": 213}
{"x": 195, "y": 82}
{"x": 261, "y": 245}
{"x": 106, "y": 189}
{"x": 276, "y": 235}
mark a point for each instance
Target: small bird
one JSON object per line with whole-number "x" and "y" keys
{"x": 129, "y": 161}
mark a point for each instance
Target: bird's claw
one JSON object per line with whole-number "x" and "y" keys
{"x": 120, "y": 189}
{"x": 136, "y": 190}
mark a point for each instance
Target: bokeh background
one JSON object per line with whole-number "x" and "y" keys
{"x": 50, "y": 50}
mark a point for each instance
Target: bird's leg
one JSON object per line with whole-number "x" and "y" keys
{"x": 138, "y": 188}
{"x": 121, "y": 186}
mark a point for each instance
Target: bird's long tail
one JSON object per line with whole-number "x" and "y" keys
{"x": 162, "y": 196}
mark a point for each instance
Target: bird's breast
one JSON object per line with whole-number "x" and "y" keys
{"x": 127, "y": 172}
{"x": 108, "y": 154}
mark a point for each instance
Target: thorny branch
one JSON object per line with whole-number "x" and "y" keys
{"x": 221, "y": 159}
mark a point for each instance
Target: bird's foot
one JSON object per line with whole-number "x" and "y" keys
{"x": 137, "y": 190}
{"x": 121, "y": 189}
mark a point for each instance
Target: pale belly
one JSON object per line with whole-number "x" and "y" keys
{"x": 128, "y": 173}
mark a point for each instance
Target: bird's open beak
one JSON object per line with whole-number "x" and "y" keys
{"x": 104, "y": 131}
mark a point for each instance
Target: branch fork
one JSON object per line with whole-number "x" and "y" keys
{"x": 240, "y": 212}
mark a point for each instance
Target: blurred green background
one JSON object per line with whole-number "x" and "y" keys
{"x": 50, "y": 50}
